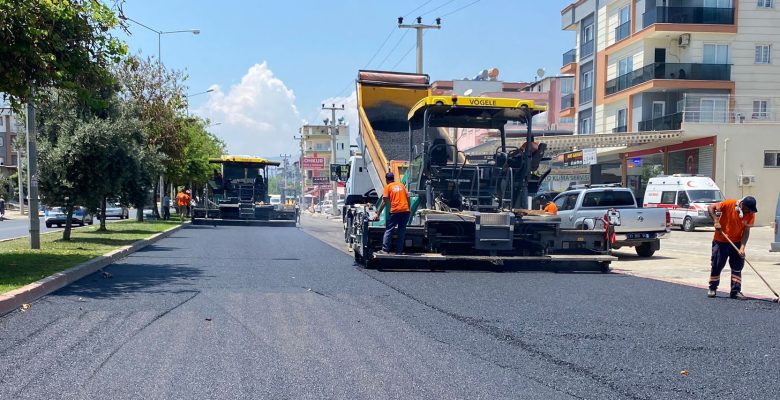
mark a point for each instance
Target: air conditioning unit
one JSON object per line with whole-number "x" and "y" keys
{"x": 684, "y": 40}
{"x": 747, "y": 180}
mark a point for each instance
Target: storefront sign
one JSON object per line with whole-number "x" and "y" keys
{"x": 580, "y": 157}
{"x": 339, "y": 172}
{"x": 313, "y": 162}
{"x": 575, "y": 170}
{"x": 320, "y": 180}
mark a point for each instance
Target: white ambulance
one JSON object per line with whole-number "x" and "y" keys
{"x": 685, "y": 196}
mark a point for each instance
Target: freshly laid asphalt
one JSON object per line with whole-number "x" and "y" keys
{"x": 265, "y": 312}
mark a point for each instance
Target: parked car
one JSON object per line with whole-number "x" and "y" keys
{"x": 276, "y": 199}
{"x": 56, "y": 216}
{"x": 685, "y": 196}
{"x": 776, "y": 243}
{"x": 641, "y": 228}
{"x": 327, "y": 209}
{"x": 116, "y": 210}
{"x": 322, "y": 206}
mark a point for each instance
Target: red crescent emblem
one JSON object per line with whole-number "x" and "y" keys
{"x": 690, "y": 184}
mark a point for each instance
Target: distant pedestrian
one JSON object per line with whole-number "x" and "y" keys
{"x": 549, "y": 206}
{"x": 397, "y": 197}
{"x": 2, "y": 208}
{"x": 189, "y": 202}
{"x": 733, "y": 220}
{"x": 182, "y": 200}
{"x": 166, "y": 203}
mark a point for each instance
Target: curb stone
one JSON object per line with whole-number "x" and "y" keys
{"x": 14, "y": 299}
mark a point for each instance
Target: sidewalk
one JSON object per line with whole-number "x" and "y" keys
{"x": 15, "y": 214}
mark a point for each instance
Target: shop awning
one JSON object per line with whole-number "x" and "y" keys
{"x": 564, "y": 143}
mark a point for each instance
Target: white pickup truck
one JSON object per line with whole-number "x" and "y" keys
{"x": 641, "y": 228}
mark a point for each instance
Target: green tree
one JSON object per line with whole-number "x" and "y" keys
{"x": 199, "y": 146}
{"x": 57, "y": 43}
{"x": 84, "y": 158}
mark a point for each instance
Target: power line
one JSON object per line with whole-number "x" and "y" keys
{"x": 458, "y": 9}
{"x": 418, "y": 7}
{"x": 384, "y": 42}
{"x": 439, "y": 7}
{"x": 404, "y": 57}
{"x": 393, "y": 49}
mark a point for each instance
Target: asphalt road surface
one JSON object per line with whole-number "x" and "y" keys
{"x": 263, "y": 312}
{"x": 20, "y": 226}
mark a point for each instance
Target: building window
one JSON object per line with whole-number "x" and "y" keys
{"x": 622, "y": 120}
{"x": 586, "y": 84}
{"x": 772, "y": 158}
{"x": 765, "y": 4}
{"x": 585, "y": 126}
{"x": 623, "y": 29}
{"x": 567, "y": 120}
{"x": 14, "y": 161}
{"x": 586, "y": 46}
{"x": 762, "y": 54}
{"x": 2, "y": 121}
{"x": 2, "y": 141}
{"x": 567, "y": 86}
{"x": 760, "y": 109}
{"x": 716, "y": 53}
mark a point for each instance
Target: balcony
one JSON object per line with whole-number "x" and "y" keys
{"x": 570, "y": 57}
{"x": 688, "y": 15}
{"x": 586, "y": 49}
{"x": 676, "y": 71}
{"x": 671, "y": 122}
{"x": 586, "y": 95}
{"x": 567, "y": 101}
{"x": 622, "y": 31}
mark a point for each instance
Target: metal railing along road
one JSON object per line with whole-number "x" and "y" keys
{"x": 570, "y": 57}
{"x": 622, "y": 31}
{"x": 689, "y": 71}
{"x": 669, "y": 122}
{"x": 688, "y": 15}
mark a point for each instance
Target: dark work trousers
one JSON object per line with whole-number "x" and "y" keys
{"x": 396, "y": 220}
{"x": 166, "y": 212}
{"x": 720, "y": 253}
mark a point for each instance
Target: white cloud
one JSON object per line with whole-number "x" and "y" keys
{"x": 350, "y": 112}
{"x": 257, "y": 116}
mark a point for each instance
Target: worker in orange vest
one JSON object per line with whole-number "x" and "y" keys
{"x": 549, "y": 206}
{"x": 182, "y": 201}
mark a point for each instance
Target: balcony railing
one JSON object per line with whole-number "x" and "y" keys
{"x": 586, "y": 95}
{"x": 586, "y": 49}
{"x": 622, "y": 31}
{"x": 688, "y": 15}
{"x": 669, "y": 122}
{"x": 567, "y": 101}
{"x": 620, "y": 129}
{"x": 700, "y": 72}
{"x": 570, "y": 57}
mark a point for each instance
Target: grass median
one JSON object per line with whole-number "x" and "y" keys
{"x": 19, "y": 265}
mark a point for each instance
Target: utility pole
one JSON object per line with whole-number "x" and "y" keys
{"x": 419, "y": 27}
{"x": 32, "y": 178}
{"x": 333, "y": 132}
{"x": 286, "y": 171}
{"x": 301, "y": 171}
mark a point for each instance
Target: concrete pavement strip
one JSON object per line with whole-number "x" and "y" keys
{"x": 16, "y": 298}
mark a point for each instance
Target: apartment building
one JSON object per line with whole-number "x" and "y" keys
{"x": 316, "y": 143}
{"x": 8, "y": 157}
{"x": 705, "y": 68}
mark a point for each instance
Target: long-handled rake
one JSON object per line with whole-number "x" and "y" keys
{"x": 777, "y": 297}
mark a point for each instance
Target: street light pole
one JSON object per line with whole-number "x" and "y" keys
{"x": 419, "y": 27}
{"x": 193, "y": 95}
{"x": 32, "y": 178}
{"x": 333, "y": 132}
{"x": 301, "y": 171}
{"x": 160, "y": 68}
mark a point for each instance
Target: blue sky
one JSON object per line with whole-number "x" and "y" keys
{"x": 272, "y": 63}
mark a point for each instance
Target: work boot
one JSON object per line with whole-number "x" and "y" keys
{"x": 738, "y": 296}
{"x": 711, "y": 293}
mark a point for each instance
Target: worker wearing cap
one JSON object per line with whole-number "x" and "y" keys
{"x": 396, "y": 195}
{"x": 733, "y": 220}
{"x": 549, "y": 206}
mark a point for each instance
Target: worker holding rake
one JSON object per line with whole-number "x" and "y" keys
{"x": 733, "y": 220}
